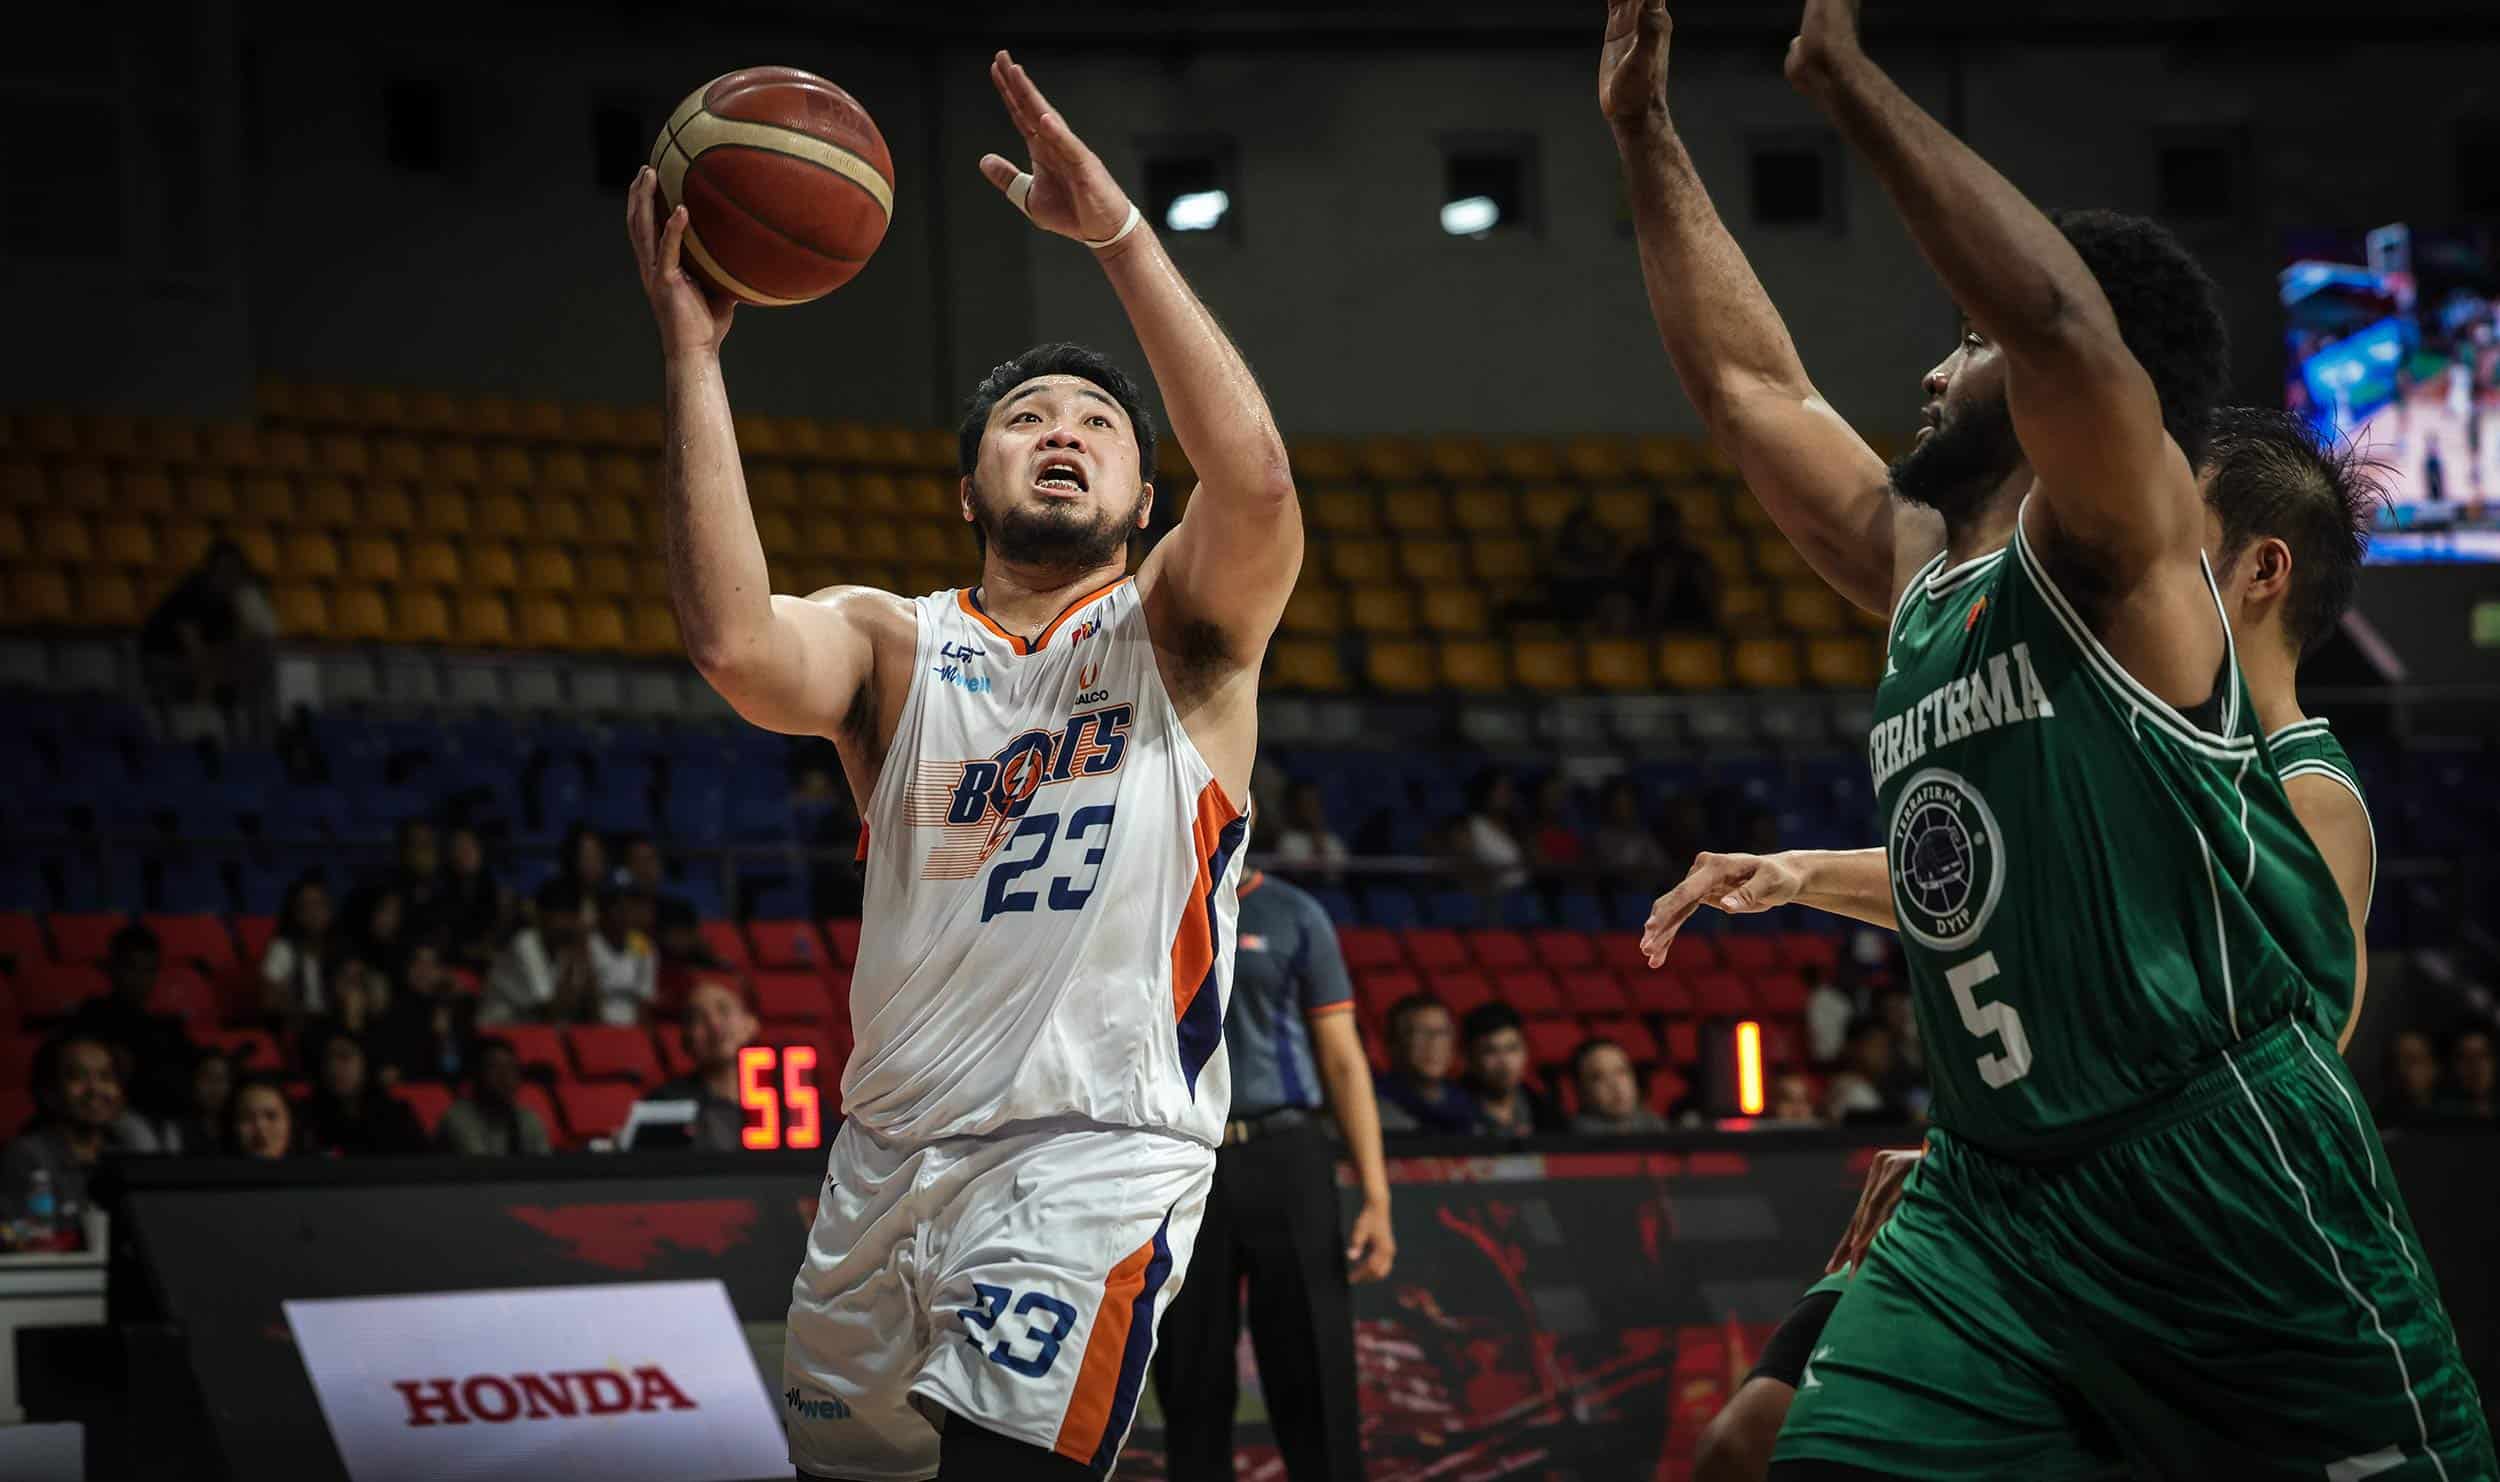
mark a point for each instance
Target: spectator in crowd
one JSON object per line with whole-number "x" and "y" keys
{"x": 1308, "y": 846}
{"x": 1857, "y": 1091}
{"x": 1491, "y": 838}
{"x": 376, "y": 928}
{"x": 1673, "y": 586}
{"x": 2470, "y": 1094}
{"x": 151, "y": 1051}
{"x": 1830, "y": 1010}
{"x": 826, "y": 819}
{"x": 583, "y": 860}
{"x": 543, "y": 975}
{"x": 418, "y": 878}
{"x": 1419, "y": 1092}
{"x": 348, "y": 1113}
{"x": 623, "y": 963}
{"x": 1610, "y": 1091}
{"x": 202, "y": 1128}
{"x": 423, "y": 1030}
{"x": 1623, "y": 846}
{"x": 646, "y": 872}
{"x": 359, "y": 998}
{"x": 79, "y": 1117}
{"x": 1683, "y": 826}
{"x": 1583, "y": 567}
{"x": 1556, "y": 842}
{"x": 474, "y": 908}
{"x": 1907, "y": 1086}
{"x": 291, "y": 965}
{"x": 2412, "y": 1095}
{"x": 210, "y": 642}
{"x": 1792, "y": 1099}
{"x": 1497, "y": 1074}
{"x": 260, "y": 1121}
{"x": 491, "y": 1122}
{"x": 718, "y": 1025}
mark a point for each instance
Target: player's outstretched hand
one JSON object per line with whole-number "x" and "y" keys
{"x": 1370, "y": 1249}
{"x": 1071, "y": 192}
{"x": 1632, "y": 67}
{"x": 691, "y": 317}
{"x": 1826, "y": 34}
{"x": 1739, "y": 884}
{"x": 1882, "y": 1195}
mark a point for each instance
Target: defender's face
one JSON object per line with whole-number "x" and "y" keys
{"x": 1973, "y": 376}
{"x": 1058, "y": 476}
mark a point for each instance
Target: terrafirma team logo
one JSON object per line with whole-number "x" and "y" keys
{"x": 1946, "y": 854}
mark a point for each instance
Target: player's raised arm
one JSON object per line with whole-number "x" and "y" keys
{"x": 786, "y": 663}
{"x": 1231, "y": 563}
{"x": 1820, "y": 482}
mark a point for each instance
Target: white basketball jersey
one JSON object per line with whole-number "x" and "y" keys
{"x": 1048, "y": 930}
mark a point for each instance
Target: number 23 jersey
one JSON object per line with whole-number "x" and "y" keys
{"x": 2096, "y": 894}
{"x": 1048, "y": 924}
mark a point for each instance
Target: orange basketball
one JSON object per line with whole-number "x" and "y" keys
{"x": 785, "y": 180}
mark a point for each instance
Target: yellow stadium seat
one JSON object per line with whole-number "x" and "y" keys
{"x": 83, "y": 486}
{"x": 400, "y": 458}
{"x": 1620, "y": 665}
{"x": 599, "y": 624}
{"x": 359, "y": 615}
{"x": 509, "y": 467}
{"x": 1813, "y": 609}
{"x": 873, "y": 542}
{"x": 1400, "y": 666}
{"x": 433, "y": 562}
{"x": 23, "y": 482}
{"x": 822, "y": 534}
{"x": 502, "y": 515}
{"x": 1304, "y": 664}
{"x": 1415, "y": 509}
{"x": 931, "y": 497}
{"x": 1745, "y": 609}
{"x": 565, "y": 469}
{"x": 38, "y": 596}
{"x": 112, "y": 434}
{"x": 1549, "y": 664}
{"x": 546, "y": 623}
{"x": 1478, "y": 507}
{"x": 492, "y": 417}
{"x": 232, "y": 445}
{"x": 378, "y": 406}
{"x": 1389, "y": 460}
{"x": 1321, "y": 461}
{"x": 1547, "y": 506}
{"x": 936, "y": 450}
{"x": 822, "y": 490}
{"x": 1844, "y": 663}
{"x": 1746, "y": 515}
{"x": 1342, "y": 509}
{"x": 127, "y": 542}
{"x": 772, "y": 483}
{"x": 875, "y": 493}
{"x": 180, "y": 544}
{"x": 388, "y": 507}
{"x": 207, "y": 494}
{"x": 1314, "y": 608}
{"x": 759, "y": 436}
{"x": 325, "y": 404}
{"x": 655, "y": 628}
{"x": 1478, "y": 666}
{"x": 431, "y": 411}
{"x": 443, "y": 512}
{"x": 420, "y": 615}
{"x": 608, "y": 520}
{"x": 1692, "y": 663}
{"x": 1765, "y": 664}
{"x": 1702, "y": 511}
{"x": 919, "y": 579}
{"x": 48, "y": 432}
{"x": 1664, "y": 460}
{"x": 1726, "y": 554}
{"x": 927, "y": 543}
{"x": 1432, "y": 562}
{"x": 14, "y": 546}
{"x": 108, "y": 599}
{"x": 849, "y": 442}
{"x": 778, "y": 531}
{"x": 1455, "y": 609}
{"x": 1534, "y": 461}
{"x": 373, "y": 558}
{"x": 483, "y": 620}
{"x": 457, "y": 463}
{"x": 547, "y": 568}
{"x": 643, "y": 426}
{"x": 1459, "y": 460}
{"x": 621, "y": 473}
{"x": 62, "y": 535}
{"x": 651, "y": 527}
{"x": 344, "y": 454}
{"x": 539, "y": 421}
{"x": 1778, "y": 560}
{"x": 174, "y": 440}
{"x": 331, "y": 504}
{"x": 302, "y": 610}
{"x": 1361, "y": 562}
{"x": 593, "y": 424}
{"x": 145, "y": 490}
{"x": 1597, "y": 460}
{"x": 309, "y": 556}
{"x": 1172, "y": 470}
{"x": 556, "y": 517}
{"x": 802, "y": 439}
{"x": 605, "y": 574}
{"x": 493, "y": 565}
{"x": 1503, "y": 562}
{"x": 267, "y": 497}
{"x": 1383, "y": 610}
{"x": 259, "y": 546}
{"x": 1623, "y": 509}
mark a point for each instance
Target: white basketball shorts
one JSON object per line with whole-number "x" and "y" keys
{"x": 1014, "y": 1281}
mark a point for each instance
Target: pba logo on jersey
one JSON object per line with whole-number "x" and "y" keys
{"x": 979, "y": 801}
{"x": 1947, "y": 858}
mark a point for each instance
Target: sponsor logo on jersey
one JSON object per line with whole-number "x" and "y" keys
{"x": 828, "y": 1408}
{"x": 1946, "y": 855}
{"x": 1251, "y": 941}
{"x": 567, "y": 1394}
{"x": 981, "y": 800}
{"x": 1089, "y": 685}
{"x": 1085, "y": 630}
{"x": 954, "y": 666}
{"x": 2000, "y": 692}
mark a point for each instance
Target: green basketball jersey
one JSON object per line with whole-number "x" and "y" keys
{"x": 2096, "y": 895}
{"x": 2308, "y": 749}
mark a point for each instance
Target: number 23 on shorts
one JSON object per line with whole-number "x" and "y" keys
{"x": 1047, "y": 1322}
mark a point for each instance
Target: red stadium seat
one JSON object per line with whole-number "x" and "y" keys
{"x": 1683, "y": 1042}
{"x": 607, "y": 1052}
{"x": 1530, "y": 990}
{"x": 1498, "y": 951}
{"x": 56, "y": 989}
{"x": 788, "y": 944}
{"x": 1377, "y": 990}
{"x": 673, "y": 1057}
{"x": 21, "y": 942}
{"x": 1810, "y": 951}
{"x": 1564, "y": 950}
{"x": 85, "y": 938}
{"x": 843, "y": 937}
{"x": 252, "y": 1049}
{"x": 1661, "y": 992}
{"x": 1722, "y": 996}
{"x": 1461, "y": 991}
{"x": 1594, "y": 991}
{"x": 1621, "y": 950}
{"x": 429, "y": 1101}
{"x": 1782, "y": 994}
{"x": 252, "y": 934}
{"x": 17, "y": 1108}
{"x": 1696, "y": 953}
{"x": 17, "y": 1063}
{"x": 1376, "y": 1051}
{"x": 595, "y": 1108}
{"x": 800, "y": 997}
{"x": 535, "y": 1097}
{"x": 1783, "y": 1044}
{"x": 183, "y": 993}
{"x": 1633, "y": 1035}
{"x": 1749, "y": 955}
{"x": 726, "y": 944}
{"x": 540, "y": 1047}
{"x": 202, "y": 940}
{"x": 1435, "y": 949}
{"x": 1551, "y": 1041}
{"x": 1369, "y": 947}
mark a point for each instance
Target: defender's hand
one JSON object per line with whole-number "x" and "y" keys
{"x": 1739, "y": 884}
{"x": 1885, "y": 1178}
{"x": 1072, "y": 194}
{"x": 1632, "y": 67}
{"x": 1370, "y": 1249}
{"x": 691, "y": 317}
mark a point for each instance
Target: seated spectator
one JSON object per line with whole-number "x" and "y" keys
{"x": 210, "y": 641}
{"x": 417, "y": 877}
{"x": 1623, "y": 845}
{"x": 348, "y": 1113}
{"x": 291, "y": 965}
{"x": 2470, "y": 1077}
{"x": 1610, "y": 1091}
{"x": 1497, "y": 1071}
{"x": 1491, "y": 836}
{"x": 1583, "y": 567}
{"x": 376, "y": 928}
{"x": 646, "y": 872}
{"x": 475, "y": 910}
{"x": 1417, "y": 1092}
{"x": 2412, "y": 1096}
{"x": 543, "y": 975}
{"x": 1683, "y": 827}
{"x": 1857, "y": 1090}
{"x": 423, "y": 1030}
{"x": 718, "y": 1025}
{"x": 79, "y": 1117}
{"x": 1673, "y": 586}
{"x": 1792, "y": 1099}
{"x": 1556, "y": 843}
{"x": 1907, "y": 1086}
{"x": 490, "y": 1122}
{"x": 623, "y": 964}
{"x": 582, "y": 859}
{"x": 1308, "y": 846}
{"x": 1830, "y": 1011}
{"x": 260, "y": 1121}
{"x": 151, "y": 1051}
{"x": 202, "y": 1129}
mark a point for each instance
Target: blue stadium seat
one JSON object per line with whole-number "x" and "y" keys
{"x": 697, "y": 810}
{"x": 1523, "y": 910}
{"x": 192, "y": 886}
{"x": 1337, "y": 903}
{"x": 701, "y": 888}
{"x": 115, "y": 883}
{"x": 1454, "y": 908}
{"x": 1578, "y": 910}
{"x": 772, "y": 897}
{"x": 1390, "y": 905}
{"x": 1627, "y": 909}
{"x": 22, "y": 885}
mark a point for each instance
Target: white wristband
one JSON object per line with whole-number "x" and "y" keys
{"x": 1116, "y": 238}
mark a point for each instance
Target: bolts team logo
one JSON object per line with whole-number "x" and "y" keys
{"x": 1947, "y": 859}
{"x": 981, "y": 803}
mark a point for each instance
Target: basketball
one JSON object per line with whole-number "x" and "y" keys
{"x": 786, "y": 183}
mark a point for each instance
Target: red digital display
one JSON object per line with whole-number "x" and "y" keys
{"x": 778, "y": 1090}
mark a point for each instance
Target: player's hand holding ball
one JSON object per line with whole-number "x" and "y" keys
{"x": 1067, "y": 191}
{"x": 691, "y": 316}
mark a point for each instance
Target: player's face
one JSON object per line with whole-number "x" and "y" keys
{"x": 1965, "y": 445}
{"x": 1057, "y": 483}
{"x": 1607, "y": 1085}
{"x": 1498, "y": 1061}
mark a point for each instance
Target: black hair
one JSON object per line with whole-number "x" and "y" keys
{"x": 1590, "y": 1046}
{"x": 45, "y": 1073}
{"x": 234, "y": 1111}
{"x": 2169, "y": 313}
{"x": 1408, "y": 1007}
{"x": 1864, "y": 1025}
{"x": 2270, "y": 475}
{"x": 1058, "y": 358}
{"x": 132, "y": 938}
{"x": 1488, "y": 1018}
{"x": 561, "y": 896}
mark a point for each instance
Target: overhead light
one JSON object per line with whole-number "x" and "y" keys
{"x": 1197, "y": 210}
{"x": 1470, "y": 216}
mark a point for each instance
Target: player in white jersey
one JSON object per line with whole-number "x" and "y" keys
{"x": 1053, "y": 766}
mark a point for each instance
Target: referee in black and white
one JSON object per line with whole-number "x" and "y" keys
{"x": 1272, "y": 1218}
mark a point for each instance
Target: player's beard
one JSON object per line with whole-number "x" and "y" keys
{"x": 1953, "y": 469}
{"x": 1054, "y": 536}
